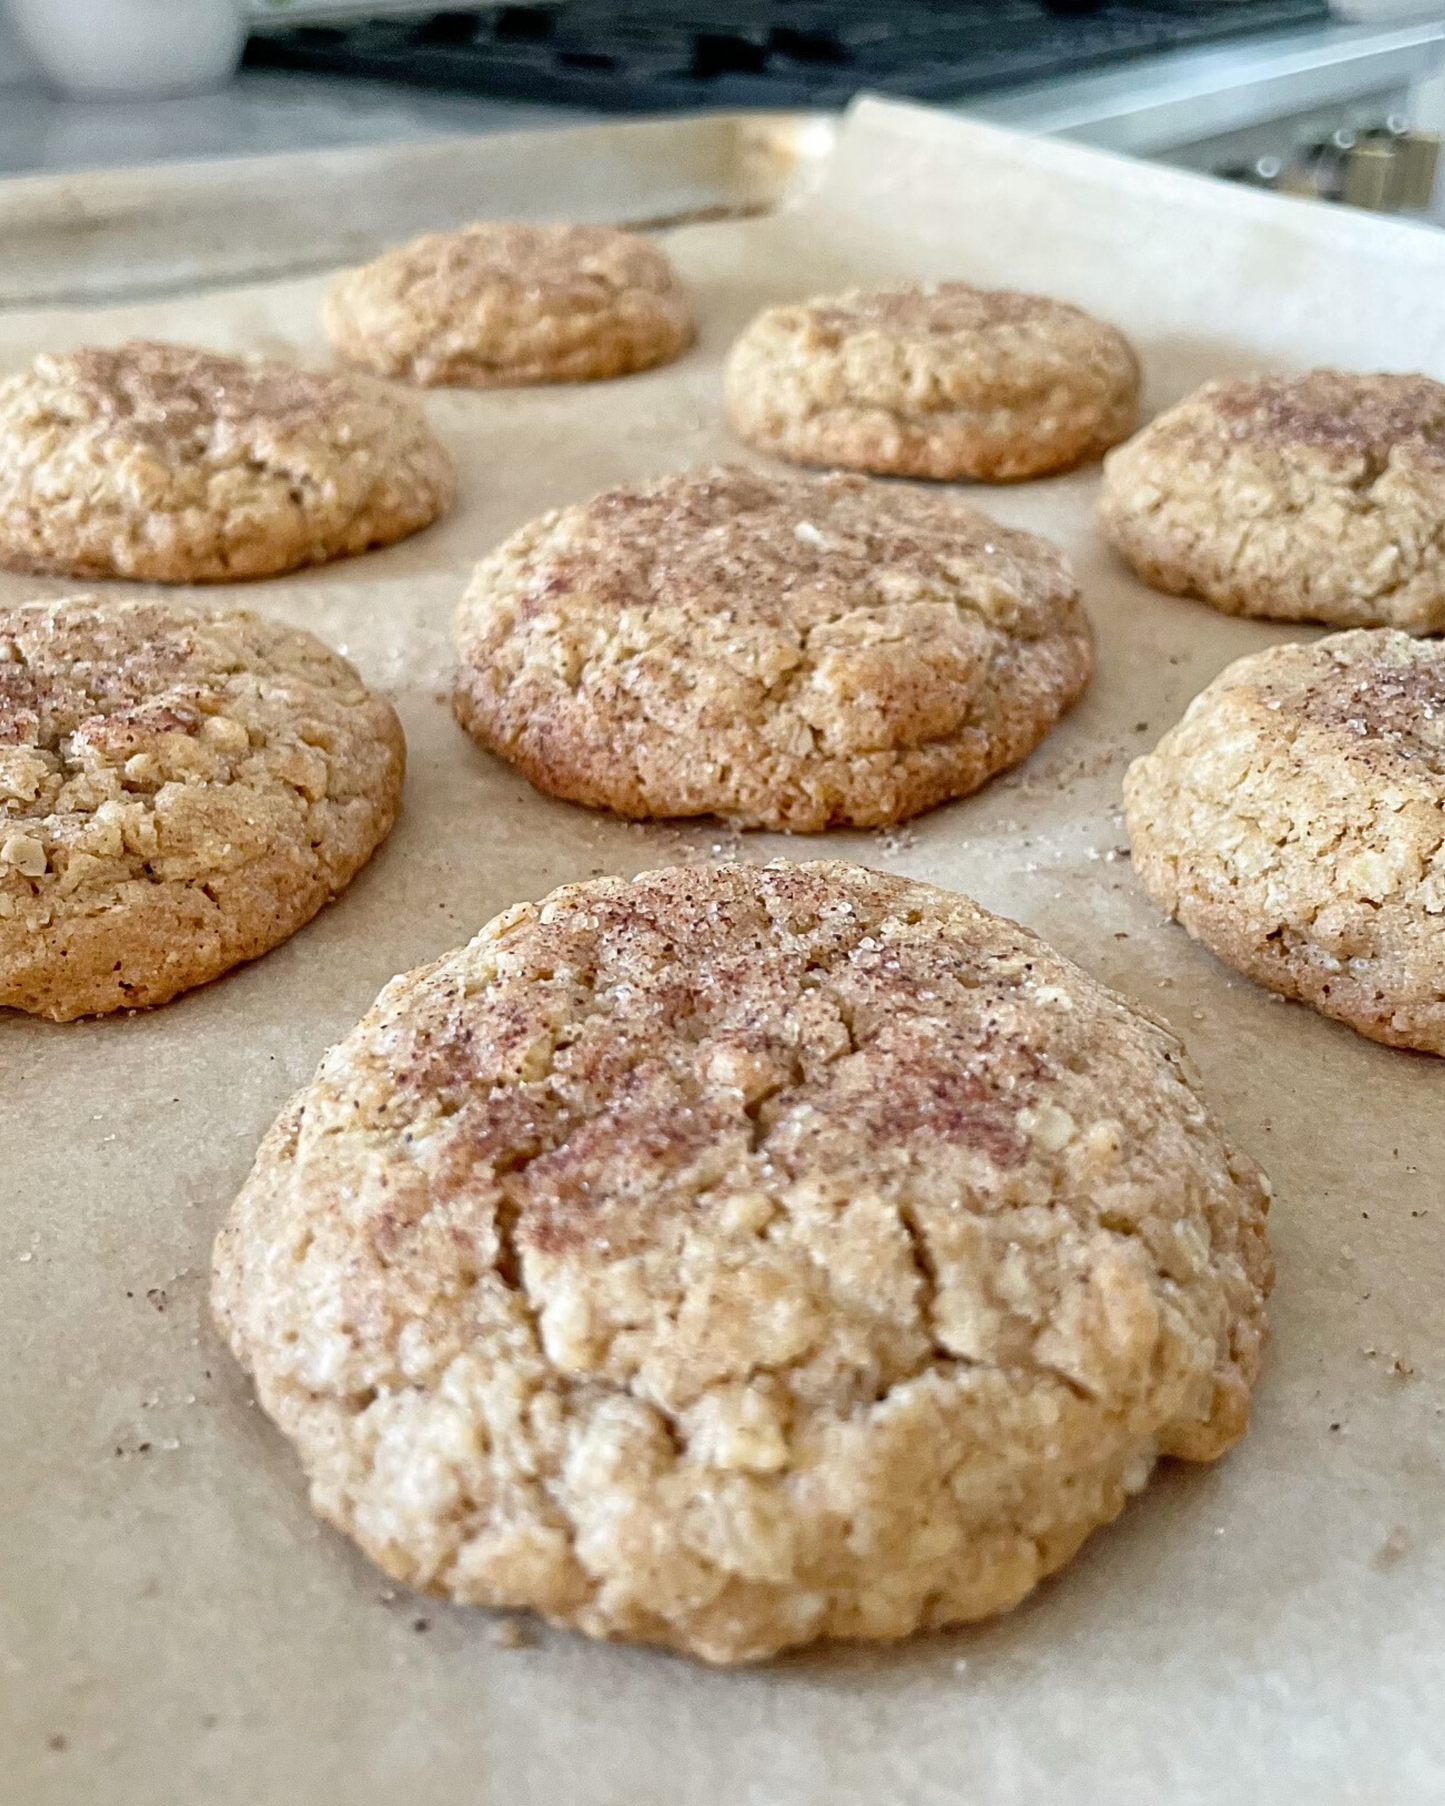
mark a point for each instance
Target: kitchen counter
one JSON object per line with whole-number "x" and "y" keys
{"x": 1149, "y": 107}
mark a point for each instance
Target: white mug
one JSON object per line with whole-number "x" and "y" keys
{"x": 133, "y": 48}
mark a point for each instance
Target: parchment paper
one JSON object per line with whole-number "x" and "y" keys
{"x": 175, "y": 1626}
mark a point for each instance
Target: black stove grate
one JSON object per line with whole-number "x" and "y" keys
{"x": 676, "y": 54}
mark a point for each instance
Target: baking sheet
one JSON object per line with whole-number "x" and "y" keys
{"x": 118, "y": 234}
{"x": 175, "y": 1626}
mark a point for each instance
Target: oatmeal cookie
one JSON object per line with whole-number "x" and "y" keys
{"x": 1298, "y": 498}
{"x": 1294, "y": 822}
{"x": 737, "y": 1256}
{"x": 178, "y": 792}
{"x": 945, "y": 381}
{"x": 502, "y": 303}
{"x": 786, "y": 651}
{"x": 173, "y": 465}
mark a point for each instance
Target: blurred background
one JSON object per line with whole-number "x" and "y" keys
{"x": 1342, "y": 103}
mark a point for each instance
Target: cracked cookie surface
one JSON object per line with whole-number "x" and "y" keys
{"x": 178, "y": 792}
{"x": 1306, "y": 498}
{"x": 785, "y": 651}
{"x": 169, "y": 464}
{"x": 944, "y": 382}
{"x": 503, "y": 303}
{"x": 739, "y": 1256}
{"x": 1294, "y": 822}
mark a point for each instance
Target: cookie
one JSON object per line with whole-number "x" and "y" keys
{"x": 1294, "y": 822}
{"x": 174, "y": 465}
{"x": 738, "y": 1256}
{"x": 178, "y": 792}
{"x": 503, "y": 303}
{"x": 1303, "y": 498}
{"x": 788, "y": 652}
{"x": 945, "y": 381}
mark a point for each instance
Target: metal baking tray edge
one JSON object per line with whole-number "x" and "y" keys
{"x": 118, "y": 235}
